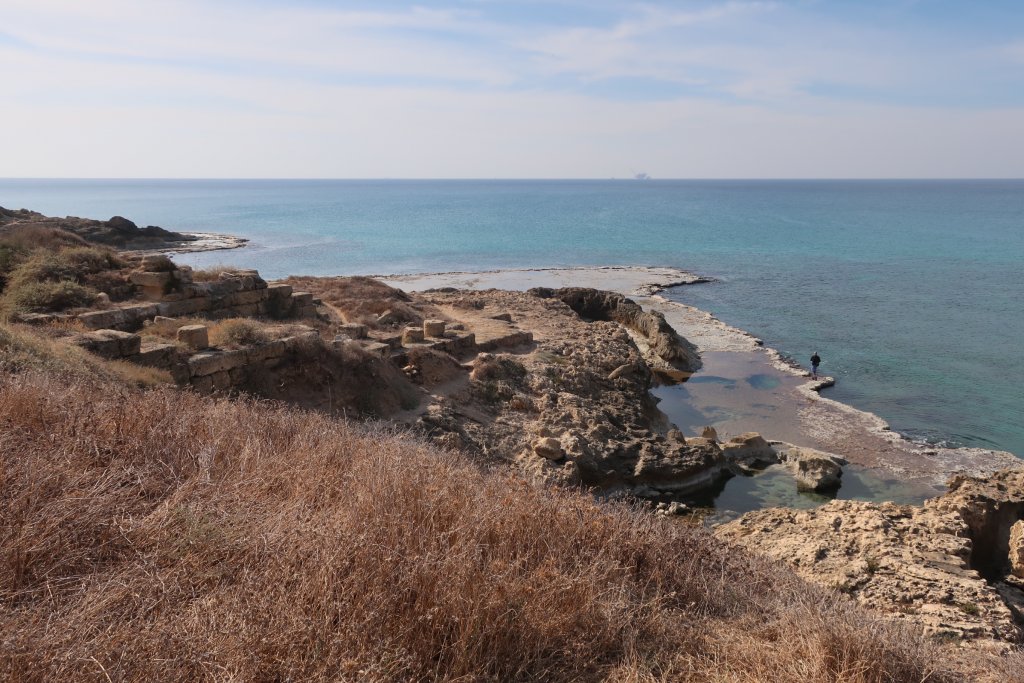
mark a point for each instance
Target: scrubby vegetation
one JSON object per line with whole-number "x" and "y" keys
{"x": 24, "y": 350}
{"x": 158, "y": 535}
{"x": 210, "y": 273}
{"x": 45, "y": 269}
{"x": 238, "y": 332}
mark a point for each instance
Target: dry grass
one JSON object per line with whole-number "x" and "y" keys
{"x": 236, "y": 332}
{"x": 228, "y": 333}
{"x": 162, "y": 536}
{"x": 211, "y": 273}
{"x": 26, "y": 238}
{"x": 24, "y": 349}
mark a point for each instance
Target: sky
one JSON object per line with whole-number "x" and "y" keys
{"x": 497, "y": 89}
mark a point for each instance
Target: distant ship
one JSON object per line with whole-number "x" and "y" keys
{"x": 641, "y": 176}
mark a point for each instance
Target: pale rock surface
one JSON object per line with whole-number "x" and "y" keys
{"x": 914, "y": 563}
{"x": 749, "y": 450}
{"x": 194, "y": 336}
{"x": 581, "y": 381}
{"x": 814, "y": 470}
{"x": 548, "y": 447}
{"x": 1017, "y": 549}
{"x": 433, "y": 328}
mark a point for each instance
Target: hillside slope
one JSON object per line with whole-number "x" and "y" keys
{"x": 159, "y": 535}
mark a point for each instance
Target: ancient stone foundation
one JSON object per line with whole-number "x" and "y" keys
{"x": 241, "y": 293}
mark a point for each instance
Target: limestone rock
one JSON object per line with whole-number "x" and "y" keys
{"x": 627, "y": 369}
{"x": 583, "y": 382}
{"x": 412, "y": 335}
{"x": 673, "y": 508}
{"x": 658, "y": 336}
{"x": 433, "y": 328}
{"x": 748, "y": 450}
{"x": 194, "y": 336}
{"x": 110, "y": 344}
{"x": 709, "y": 433}
{"x": 923, "y": 564}
{"x": 676, "y": 435}
{"x": 1017, "y": 549}
{"x": 548, "y": 447}
{"x": 353, "y": 330}
{"x": 814, "y": 470}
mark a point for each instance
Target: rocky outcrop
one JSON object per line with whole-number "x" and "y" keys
{"x": 747, "y": 451}
{"x": 118, "y": 232}
{"x": 812, "y": 469}
{"x": 946, "y": 565}
{"x": 657, "y": 336}
{"x": 572, "y": 406}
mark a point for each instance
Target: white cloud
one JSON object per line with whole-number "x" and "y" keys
{"x": 204, "y": 90}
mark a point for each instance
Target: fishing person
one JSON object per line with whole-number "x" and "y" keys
{"x": 815, "y": 362}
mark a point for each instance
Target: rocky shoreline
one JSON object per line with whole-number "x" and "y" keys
{"x": 953, "y": 564}
{"x": 862, "y": 438}
{"x": 118, "y": 232}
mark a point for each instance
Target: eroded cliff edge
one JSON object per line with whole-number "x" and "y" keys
{"x": 954, "y": 565}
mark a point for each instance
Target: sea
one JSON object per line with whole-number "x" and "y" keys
{"x": 912, "y": 292}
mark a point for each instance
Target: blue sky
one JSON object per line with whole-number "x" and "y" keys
{"x": 485, "y": 88}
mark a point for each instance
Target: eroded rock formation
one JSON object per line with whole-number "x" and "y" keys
{"x": 655, "y": 335}
{"x": 947, "y": 565}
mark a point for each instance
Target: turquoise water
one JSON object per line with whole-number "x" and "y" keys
{"x": 912, "y": 292}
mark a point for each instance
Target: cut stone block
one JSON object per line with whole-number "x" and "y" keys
{"x": 146, "y": 279}
{"x": 266, "y": 351}
{"x": 156, "y": 355}
{"x": 212, "y": 362}
{"x": 412, "y": 335}
{"x": 353, "y": 330}
{"x": 221, "y": 380}
{"x": 377, "y": 349}
{"x": 174, "y": 309}
{"x": 433, "y": 328}
{"x": 194, "y": 336}
{"x": 203, "y": 385}
{"x": 98, "y": 320}
{"x": 279, "y": 291}
{"x": 110, "y": 343}
{"x": 157, "y": 263}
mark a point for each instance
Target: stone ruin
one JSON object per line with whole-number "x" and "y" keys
{"x": 114, "y": 333}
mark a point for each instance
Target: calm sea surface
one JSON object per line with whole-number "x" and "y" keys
{"x": 912, "y": 292}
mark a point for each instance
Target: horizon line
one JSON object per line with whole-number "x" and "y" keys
{"x": 520, "y": 179}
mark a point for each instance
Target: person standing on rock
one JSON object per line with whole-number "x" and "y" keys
{"x": 815, "y": 362}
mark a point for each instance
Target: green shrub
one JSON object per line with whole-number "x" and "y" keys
{"x": 40, "y": 297}
{"x": 66, "y": 264}
{"x": 52, "y": 280}
{"x": 9, "y": 257}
